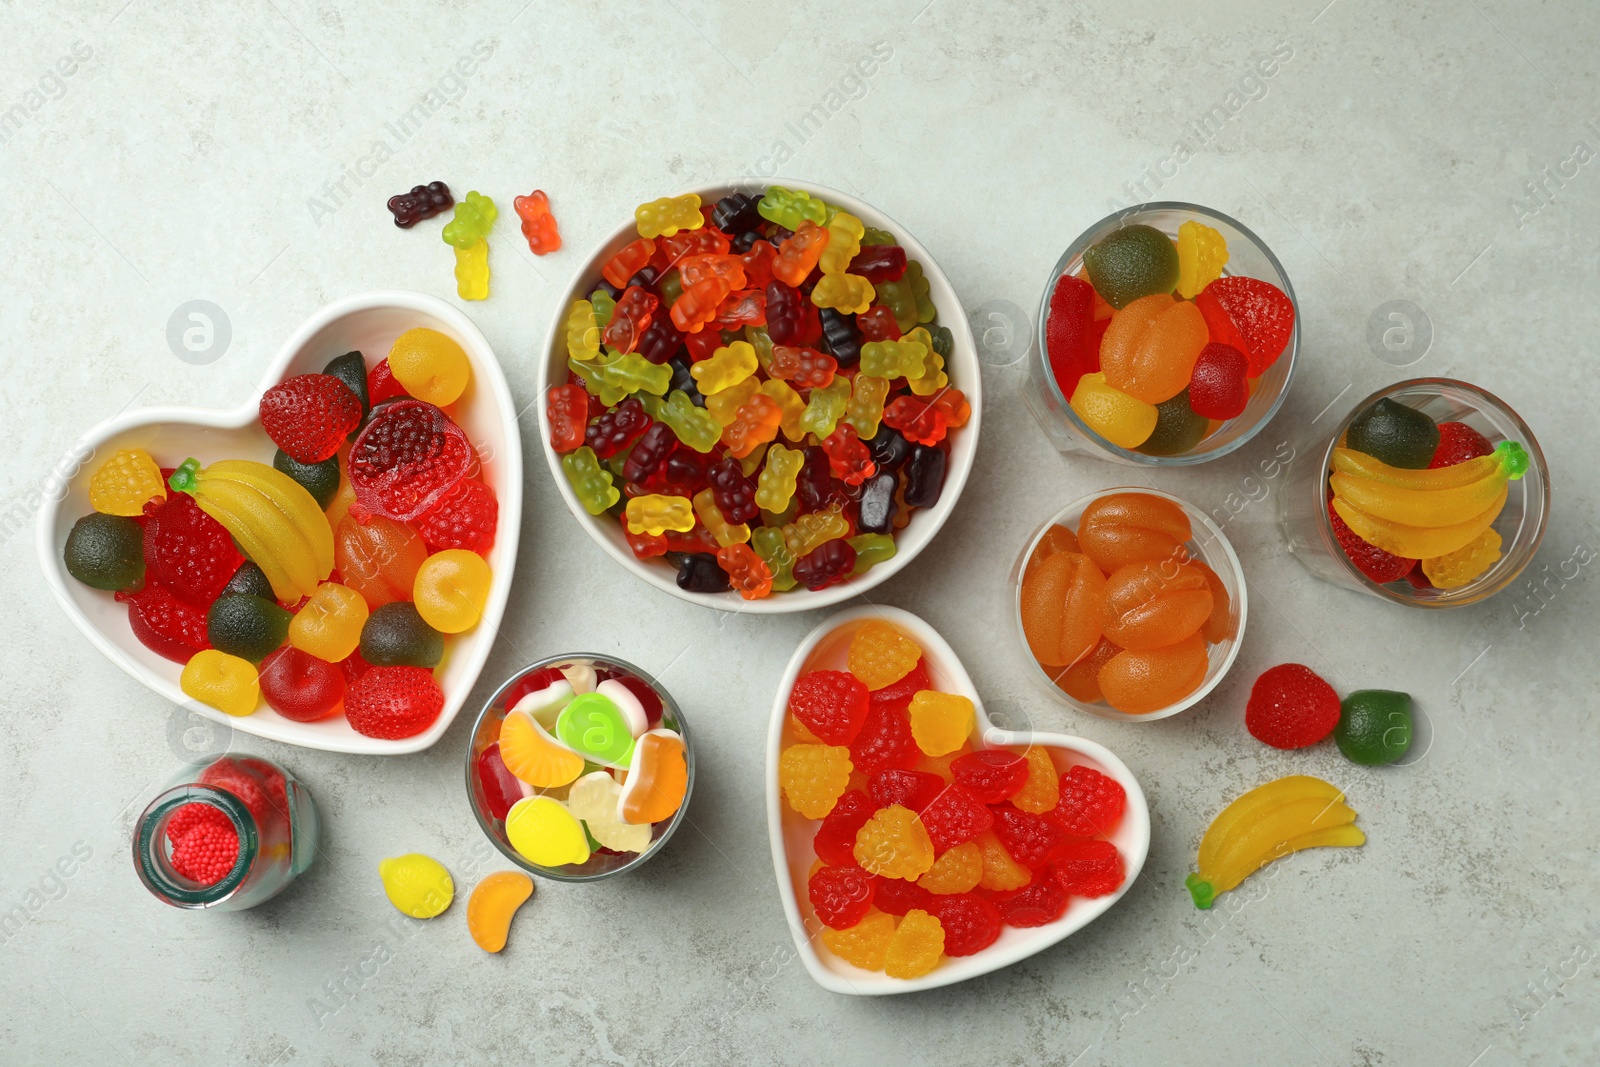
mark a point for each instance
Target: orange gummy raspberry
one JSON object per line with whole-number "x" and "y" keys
{"x": 1042, "y": 791}
{"x": 881, "y": 655}
{"x": 1000, "y": 871}
{"x": 917, "y": 946}
{"x": 957, "y": 871}
{"x": 894, "y": 844}
{"x": 940, "y": 722}
{"x": 865, "y": 944}
{"x": 814, "y": 777}
{"x": 125, "y": 482}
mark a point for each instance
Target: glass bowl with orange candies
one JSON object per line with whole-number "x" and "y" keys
{"x": 1131, "y": 604}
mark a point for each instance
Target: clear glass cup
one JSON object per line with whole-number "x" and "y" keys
{"x": 486, "y": 731}
{"x": 1247, "y": 256}
{"x": 1303, "y": 505}
{"x": 271, "y": 811}
{"x": 1208, "y": 545}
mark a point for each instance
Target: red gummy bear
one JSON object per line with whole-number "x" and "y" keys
{"x": 464, "y": 517}
{"x": 1070, "y": 337}
{"x": 970, "y": 922}
{"x": 885, "y": 741}
{"x": 1290, "y": 706}
{"x": 1369, "y": 559}
{"x": 954, "y": 817}
{"x": 841, "y": 896}
{"x": 991, "y": 774}
{"x": 898, "y": 695}
{"x": 897, "y": 896}
{"x": 187, "y": 550}
{"x": 310, "y": 415}
{"x": 1091, "y": 803}
{"x": 1032, "y": 840}
{"x": 831, "y": 704}
{"x": 835, "y": 842}
{"x": 1089, "y": 868}
{"x": 1256, "y": 313}
{"x": 167, "y": 626}
{"x": 1458, "y": 443}
{"x": 1036, "y": 904}
{"x": 207, "y": 853}
{"x": 909, "y": 789}
{"x": 407, "y": 458}
{"x": 1217, "y": 388}
{"x": 393, "y": 702}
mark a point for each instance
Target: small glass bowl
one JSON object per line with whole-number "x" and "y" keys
{"x": 486, "y": 731}
{"x": 1303, "y": 505}
{"x": 1208, "y": 545}
{"x": 1247, "y": 256}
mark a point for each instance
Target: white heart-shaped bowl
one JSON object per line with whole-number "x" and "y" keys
{"x": 826, "y": 648}
{"x": 963, "y": 367}
{"x": 368, "y": 322}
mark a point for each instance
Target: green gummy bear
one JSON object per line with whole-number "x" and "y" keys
{"x": 625, "y": 375}
{"x": 1134, "y": 261}
{"x": 871, "y": 549}
{"x": 589, "y": 480}
{"x": 603, "y": 307}
{"x": 899, "y": 298}
{"x": 875, "y": 236}
{"x": 790, "y": 207}
{"x": 474, "y": 218}
{"x": 769, "y": 544}
{"x": 670, "y": 287}
{"x": 919, "y": 291}
{"x": 894, "y": 359}
{"x": 826, "y": 406}
{"x": 694, "y": 426}
{"x": 944, "y": 342}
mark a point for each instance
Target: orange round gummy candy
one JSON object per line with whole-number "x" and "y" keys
{"x": 1081, "y": 681}
{"x": 957, "y": 871}
{"x": 1156, "y": 342}
{"x": 1063, "y": 598}
{"x": 492, "y": 904}
{"x": 1126, "y": 528}
{"x": 881, "y": 655}
{"x": 865, "y": 944}
{"x": 378, "y": 558}
{"x": 1142, "y": 682}
{"x": 1219, "y": 624}
{"x": 1155, "y": 604}
{"x": 894, "y": 844}
{"x": 1001, "y": 872}
{"x": 814, "y": 777}
{"x": 1056, "y": 539}
{"x": 1042, "y": 791}
{"x": 917, "y": 946}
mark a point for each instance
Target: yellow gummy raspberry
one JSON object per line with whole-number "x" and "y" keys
{"x": 814, "y": 777}
{"x": 940, "y": 722}
{"x": 894, "y": 844}
{"x": 1042, "y": 791}
{"x": 125, "y": 482}
{"x": 881, "y": 655}
{"x": 1000, "y": 871}
{"x": 917, "y": 946}
{"x": 864, "y": 944}
{"x": 957, "y": 871}
{"x": 1455, "y": 569}
{"x": 1202, "y": 253}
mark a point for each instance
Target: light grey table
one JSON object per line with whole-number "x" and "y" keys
{"x": 1442, "y": 154}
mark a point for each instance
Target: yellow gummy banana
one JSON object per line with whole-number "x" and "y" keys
{"x": 274, "y": 519}
{"x": 1418, "y": 542}
{"x": 1349, "y": 461}
{"x": 1256, "y": 845}
{"x": 1252, "y": 805}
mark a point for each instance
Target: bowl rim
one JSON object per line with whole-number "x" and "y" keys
{"x": 1080, "y": 913}
{"x": 963, "y": 448}
{"x": 1131, "y": 215}
{"x": 486, "y": 371}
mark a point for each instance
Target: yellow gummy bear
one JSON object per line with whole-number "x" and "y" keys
{"x": 727, "y": 366}
{"x": 1202, "y": 253}
{"x": 583, "y": 332}
{"x": 1111, "y": 413}
{"x": 917, "y": 946}
{"x": 544, "y": 832}
{"x": 125, "y": 482}
{"x": 417, "y": 885}
{"x": 814, "y": 777}
{"x": 1456, "y": 569}
{"x": 655, "y": 514}
{"x": 865, "y": 944}
{"x": 940, "y": 722}
{"x": 225, "y": 682}
{"x": 881, "y": 655}
{"x": 894, "y": 844}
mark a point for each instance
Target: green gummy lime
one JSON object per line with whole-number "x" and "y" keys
{"x": 321, "y": 480}
{"x": 395, "y": 635}
{"x": 106, "y": 552}
{"x": 1178, "y": 428}
{"x": 1132, "y": 262}
{"x": 1395, "y": 434}
{"x": 250, "y": 627}
{"x": 1374, "y": 726}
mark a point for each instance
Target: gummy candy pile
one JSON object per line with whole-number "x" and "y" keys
{"x": 928, "y": 843}
{"x": 1118, "y": 610}
{"x": 468, "y": 230}
{"x": 1406, "y": 490}
{"x": 1153, "y": 347}
{"x": 582, "y": 766}
{"x": 327, "y": 581}
{"x": 756, "y": 390}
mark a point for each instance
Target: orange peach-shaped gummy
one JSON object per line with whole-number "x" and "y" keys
{"x": 1219, "y": 624}
{"x": 534, "y": 756}
{"x": 1155, "y": 364}
{"x": 1154, "y": 604}
{"x": 1063, "y": 598}
{"x": 1056, "y": 539}
{"x": 1081, "y": 681}
{"x": 1125, "y": 528}
{"x": 1141, "y": 682}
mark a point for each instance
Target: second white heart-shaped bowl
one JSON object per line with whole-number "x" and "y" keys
{"x": 368, "y": 323}
{"x": 826, "y": 648}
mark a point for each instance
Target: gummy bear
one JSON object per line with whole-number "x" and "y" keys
{"x": 849, "y": 293}
{"x": 805, "y": 367}
{"x": 474, "y": 218}
{"x": 790, "y": 207}
{"x": 422, "y": 202}
{"x": 923, "y": 423}
{"x": 591, "y": 484}
{"x": 472, "y": 271}
{"x": 848, "y": 458}
{"x": 828, "y": 564}
{"x": 826, "y": 407}
{"x": 538, "y": 224}
{"x": 893, "y": 359}
{"x": 711, "y": 518}
{"x": 669, "y": 214}
{"x": 777, "y": 483}
{"x": 629, "y": 319}
{"x": 747, "y": 572}
{"x": 628, "y": 262}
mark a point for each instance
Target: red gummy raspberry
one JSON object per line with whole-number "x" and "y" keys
{"x": 382, "y": 385}
{"x": 910, "y": 789}
{"x": 970, "y": 922}
{"x": 991, "y": 774}
{"x": 310, "y": 415}
{"x": 897, "y": 896}
{"x": 1032, "y": 840}
{"x": 258, "y": 785}
{"x": 1458, "y": 443}
{"x": 190, "y": 816}
{"x": 898, "y": 694}
{"x": 840, "y": 895}
{"x": 409, "y": 455}
{"x": 1217, "y": 388}
{"x": 464, "y": 517}
{"x": 1089, "y": 868}
{"x": 956, "y": 816}
{"x": 1291, "y": 707}
{"x": 393, "y": 702}
{"x": 831, "y": 704}
{"x": 1091, "y": 803}
{"x": 207, "y": 853}
{"x": 1370, "y": 560}
{"x": 165, "y": 625}
{"x": 1041, "y": 901}
{"x": 187, "y": 550}
{"x": 835, "y": 843}
{"x": 1257, "y": 312}
{"x": 885, "y": 741}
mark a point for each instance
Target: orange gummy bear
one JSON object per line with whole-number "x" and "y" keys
{"x": 894, "y": 844}
{"x": 957, "y": 871}
{"x": 1150, "y": 348}
{"x": 493, "y": 903}
{"x": 1042, "y": 791}
{"x": 814, "y": 777}
{"x": 917, "y": 946}
{"x": 1155, "y": 604}
{"x": 1063, "y": 598}
{"x": 1142, "y": 682}
{"x": 1081, "y": 681}
{"x": 881, "y": 655}
{"x": 1126, "y": 528}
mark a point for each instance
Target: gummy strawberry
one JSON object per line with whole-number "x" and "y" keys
{"x": 167, "y": 626}
{"x": 1091, "y": 803}
{"x": 1035, "y": 904}
{"x": 970, "y": 922}
{"x": 1089, "y": 868}
{"x": 1369, "y": 559}
{"x": 1032, "y": 840}
{"x": 1291, "y": 707}
{"x": 835, "y": 842}
{"x": 464, "y": 517}
{"x": 884, "y": 741}
{"x": 393, "y": 702}
{"x": 187, "y": 550}
{"x": 841, "y": 896}
{"x": 310, "y": 415}
{"x": 190, "y": 816}
{"x": 910, "y": 789}
{"x": 899, "y": 694}
{"x": 898, "y": 896}
{"x": 991, "y": 774}
{"x": 207, "y": 853}
{"x": 1458, "y": 443}
{"x": 831, "y": 704}
{"x": 955, "y": 816}
{"x": 382, "y": 384}
{"x": 1256, "y": 312}
{"x": 409, "y": 456}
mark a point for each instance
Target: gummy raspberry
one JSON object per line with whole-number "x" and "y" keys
{"x": 1369, "y": 559}
{"x": 1089, "y": 868}
{"x": 207, "y": 853}
{"x": 991, "y": 775}
{"x": 970, "y": 923}
{"x": 894, "y": 843}
{"x": 393, "y": 702}
{"x": 408, "y": 457}
{"x": 1091, "y": 803}
{"x": 257, "y": 784}
{"x": 831, "y": 704}
{"x": 1033, "y": 905}
{"x": 190, "y": 816}
{"x": 1291, "y": 707}
{"x": 187, "y": 550}
{"x": 910, "y": 789}
{"x": 464, "y": 517}
{"x": 956, "y": 816}
{"x": 1255, "y": 312}
{"x": 310, "y": 415}
{"x": 1458, "y": 443}
{"x": 835, "y": 842}
{"x": 897, "y": 896}
{"x": 841, "y": 896}
{"x": 899, "y": 694}
{"x": 1032, "y": 840}
{"x": 884, "y": 742}
{"x": 167, "y": 626}
{"x": 814, "y": 777}
{"x": 382, "y": 384}
{"x": 881, "y": 655}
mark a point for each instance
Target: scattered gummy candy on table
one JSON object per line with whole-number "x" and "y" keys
{"x": 327, "y": 582}
{"x": 928, "y": 843}
{"x": 757, "y": 392}
{"x": 1154, "y": 348}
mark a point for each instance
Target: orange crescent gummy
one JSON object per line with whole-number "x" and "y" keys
{"x": 534, "y": 756}
{"x": 493, "y": 903}
{"x": 657, "y": 780}
{"x": 1063, "y": 597}
{"x": 1141, "y": 682}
